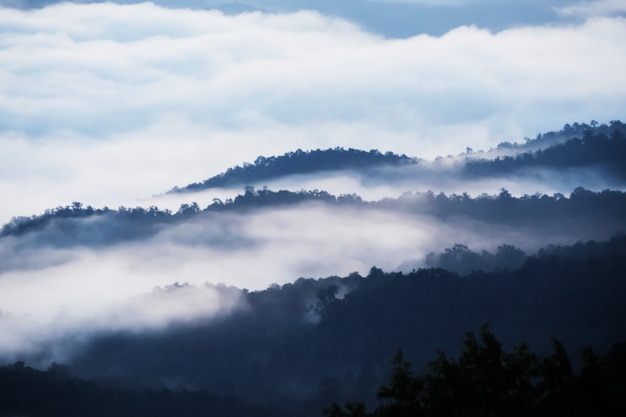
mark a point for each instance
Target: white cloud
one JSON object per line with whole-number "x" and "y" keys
{"x": 594, "y": 8}
{"x": 65, "y": 303}
{"x": 75, "y": 71}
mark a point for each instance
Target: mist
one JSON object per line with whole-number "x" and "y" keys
{"x": 65, "y": 279}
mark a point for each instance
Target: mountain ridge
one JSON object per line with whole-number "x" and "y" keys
{"x": 576, "y": 145}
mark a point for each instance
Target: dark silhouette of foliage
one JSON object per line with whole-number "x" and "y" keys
{"x": 462, "y": 260}
{"x": 486, "y": 380}
{"x": 51, "y": 393}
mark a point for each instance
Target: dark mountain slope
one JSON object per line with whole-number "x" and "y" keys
{"x": 299, "y": 162}
{"x": 576, "y": 146}
{"x": 306, "y": 344}
{"x": 568, "y": 132}
{"x": 599, "y": 151}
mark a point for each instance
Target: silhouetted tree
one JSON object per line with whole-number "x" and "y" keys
{"x": 488, "y": 381}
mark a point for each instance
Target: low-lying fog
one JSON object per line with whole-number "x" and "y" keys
{"x": 58, "y": 290}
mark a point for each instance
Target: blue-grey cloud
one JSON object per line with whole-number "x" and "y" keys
{"x": 593, "y": 8}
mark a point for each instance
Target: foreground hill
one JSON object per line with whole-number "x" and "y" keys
{"x": 303, "y": 345}
{"x": 486, "y": 378}
{"x": 55, "y": 393}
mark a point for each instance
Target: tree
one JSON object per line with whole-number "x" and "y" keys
{"x": 402, "y": 395}
{"x": 488, "y": 381}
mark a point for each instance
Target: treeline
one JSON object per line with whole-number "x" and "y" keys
{"x": 299, "y": 162}
{"x": 54, "y": 393}
{"x": 301, "y": 346}
{"x": 504, "y": 208}
{"x": 108, "y": 226}
{"x": 591, "y": 149}
{"x": 67, "y": 226}
{"x": 486, "y": 380}
{"x": 112, "y": 224}
{"x": 77, "y": 225}
{"x": 261, "y": 198}
{"x": 462, "y": 260}
{"x": 569, "y": 131}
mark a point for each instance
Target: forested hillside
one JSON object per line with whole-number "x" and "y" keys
{"x": 78, "y": 225}
{"x": 299, "y": 162}
{"x": 55, "y": 393}
{"x": 593, "y": 150}
{"x": 281, "y": 302}
{"x": 578, "y": 146}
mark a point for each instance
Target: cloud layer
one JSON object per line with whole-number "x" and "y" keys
{"x": 105, "y": 103}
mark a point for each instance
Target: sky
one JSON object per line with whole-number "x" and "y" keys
{"x": 113, "y": 103}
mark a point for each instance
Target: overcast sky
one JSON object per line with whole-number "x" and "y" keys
{"x": 108, "y": 104}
